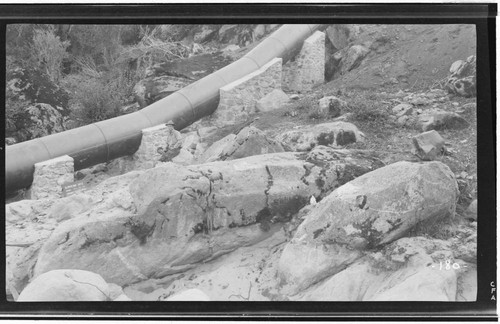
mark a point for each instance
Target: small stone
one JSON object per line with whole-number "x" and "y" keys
{"x": 420, "y": 101}
{"x": 294, "y": 97}
{"x": 472, "y": 210}
{"x": 470, "y": 107}
{"x": 403, "y": 109}
{"x": 402, "y": 120}
{"x": 428, "y": 145}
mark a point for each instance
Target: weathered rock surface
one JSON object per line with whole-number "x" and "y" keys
{"x": 306, "y": 138}
{"x": 249, "y": 141}
{"x": 66, "y": 285}
{"x": 272, "y": 101}
{"x": 176, "y": 208}
{"x": 183, "y": 215}
{"x": 338, "y": 35}
{"x": 374, "y": 209}
{"x": 27, "y": 227}
{"x": 441, "y": 120}
{"x": 69, "y": 207}
{"x": 405, "y": 270}
{"x": 428, "y": 146}
{"x": 340, "y": 166}
{"x": 462, "y": 78}
{"x": 353, "y": 57}
{"x": 190, "y": 295}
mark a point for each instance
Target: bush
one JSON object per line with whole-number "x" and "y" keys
{"x": 365, "y": 109}
{"x": 48, "y": 52}
{"x": 93, "y": 99}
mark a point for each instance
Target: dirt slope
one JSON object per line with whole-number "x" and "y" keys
{"x": 416, "y": 56}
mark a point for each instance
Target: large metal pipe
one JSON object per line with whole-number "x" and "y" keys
{"x": 120, "y": 136}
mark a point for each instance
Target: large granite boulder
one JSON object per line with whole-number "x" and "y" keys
{"x": 150, "y": 224}
{"x": 372, "y": 210}
{"x": 181, "y": 216}
{"x": 66, "y": 285}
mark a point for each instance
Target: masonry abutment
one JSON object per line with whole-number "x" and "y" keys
{"x": 238, "y": 100}
{"x": 308, "y": 68}
{"x": 50, "y": 176}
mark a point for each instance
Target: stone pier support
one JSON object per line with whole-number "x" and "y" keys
{"x": 157, "y": 142}
{"x": 49, "y": 176}
{"x": 308, "y": 68}
{"x": 238, "y": 100}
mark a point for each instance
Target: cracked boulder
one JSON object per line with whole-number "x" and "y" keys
{"x": 179, "y": 216}
{"x": 333, "y": 134}
{"x": 372, "y": 210}
{"x": 155, "y": 223}
{"x": 27, "y": 226}
{"x": 66, "y": 285}
{"x": 339, "y": 166}
{"x": 249, "y": 141}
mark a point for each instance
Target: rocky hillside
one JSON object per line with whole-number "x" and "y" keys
{"x": 362, "y": 189}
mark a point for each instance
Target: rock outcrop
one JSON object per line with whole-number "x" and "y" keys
{"x": 306, "y": 138}
{"x": 372, "y": 210}
{"x": 405, "y": 270}
{"x": 249, "y": 141}
{"x": 184, "y": 215}
{"x": 462, "y": 78}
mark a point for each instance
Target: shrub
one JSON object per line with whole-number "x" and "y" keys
{"x": 367, "y": 110}
{"x": 93, "y": 99}
{"x": 48, "y": 52}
